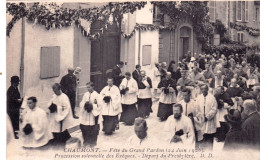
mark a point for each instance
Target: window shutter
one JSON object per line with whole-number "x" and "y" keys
{"x": 238, "y": 11}
{"x": 246, "y": 11}
{"x": 257, "y": 15}
{"x": 212, "y": 11}
{"x": 50, "y": 62}
{"x": 146, "y": 55}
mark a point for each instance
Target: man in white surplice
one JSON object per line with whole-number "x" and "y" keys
{"x": 140, "y": 138}
{"x": 111, "y": 106}
{"x": 61, "y": 117}
{"x": 90, "y": 110}
{"x": 208, "y": 107}
{"x": 193, "y": 112}
{"x": 179, "y": 129}
{"x": 36, "y": 132}
{"x": 128, "y": 89}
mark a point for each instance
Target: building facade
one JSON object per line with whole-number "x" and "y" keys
{"x": 241, "y": 13}
{"x": 41, "y": 57}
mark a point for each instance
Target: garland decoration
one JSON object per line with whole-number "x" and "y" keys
{"x": 195, "y": 11}
{"x": 251, "y": 31}
{"x": 54, "y": 16}
{"x": 146, "y": 27}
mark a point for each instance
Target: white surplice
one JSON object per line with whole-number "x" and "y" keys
{"x": 41, "y": 133}
{"x": 172, "y": 125}
{"x": 208, "y": 108}
{"x": 130, "y": 97}
{"x": 64, "y": 114}
{"x": 89, "y": 118}
{"x": 114, "y": 107}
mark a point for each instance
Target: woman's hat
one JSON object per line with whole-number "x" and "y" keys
{"x": 192, "y": 59}
{"x": 233, "y": 116}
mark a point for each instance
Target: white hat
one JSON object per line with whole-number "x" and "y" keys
{"x": 192, "y": 59}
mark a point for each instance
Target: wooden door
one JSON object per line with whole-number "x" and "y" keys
{"x": 185, "y": 41}
{"x": 165, "y": 46}
{"x": 185, "y": 47}
{"x": 105, "y": 54}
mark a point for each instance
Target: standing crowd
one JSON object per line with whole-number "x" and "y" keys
{"x": 213, "y": 96}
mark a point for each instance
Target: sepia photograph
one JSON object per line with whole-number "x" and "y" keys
{"x": 132, "y": 80}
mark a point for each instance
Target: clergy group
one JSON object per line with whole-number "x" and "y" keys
{"x": 202, "y": 99}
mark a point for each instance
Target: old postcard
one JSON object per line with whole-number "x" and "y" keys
{"x": 135, "y": 80}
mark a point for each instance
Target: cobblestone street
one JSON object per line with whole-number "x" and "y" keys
{"x": 116, "y": 140}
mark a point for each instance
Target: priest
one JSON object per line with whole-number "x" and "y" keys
{"x": 179, "y": 129}
{"x": 182, "y": 83}
{"x": 167, "y": 97}
{"x": 111, "y": 106}
{"x": 61, "y": 117}
{"x": 35, "y": 129}
{"x": 144, "y": 95}
{"x": 90, "y": 110}
{"x": 128, "y": 89}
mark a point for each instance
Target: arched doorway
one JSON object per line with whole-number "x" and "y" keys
{"x": 185, "y": 41}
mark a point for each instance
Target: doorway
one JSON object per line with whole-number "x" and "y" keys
{"x": 105, "y": 54}
{"x": 185, "y": 42}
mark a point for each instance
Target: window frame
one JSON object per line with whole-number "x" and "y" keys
{"x": 246, "y": 12}
{"x": 214, "y": 9}
{"x": 239, "y": 20}
{"x": 257, "y": 15}
{"x": 240, "y": 36}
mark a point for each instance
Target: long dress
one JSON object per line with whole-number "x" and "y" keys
{"x": 129, "y": 100}
{"x": 167, "y": 99}
{"x": 144, "y": 97}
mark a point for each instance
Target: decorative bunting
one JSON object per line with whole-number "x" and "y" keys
{"x": 251, "y": 31}
{"x": 51, "y": 15}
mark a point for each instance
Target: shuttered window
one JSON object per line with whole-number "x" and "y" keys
{"x": 146, "y": 57}
{"x": 257, "y": 14}
{"x": 212, "y": 10}
{"x": 239, "y": 11}
{"x": 246, "y": 11}
{"x": 240, "y": 36}
{"x": 242, "y": 11}
{"x": 50, "y": 62}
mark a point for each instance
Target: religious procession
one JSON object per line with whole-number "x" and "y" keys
{"x": 183, "y": 89}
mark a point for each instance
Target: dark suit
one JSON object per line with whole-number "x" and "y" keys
{"x": 223, "y": 129}
{"x": 235, "y": 139}
{"x": 68, "y": 86}
{"x": 13, "y": 106}
{"x": 251, "y": 126}
{"x": 136, "y": 75}
{"x": 116, "y": 76}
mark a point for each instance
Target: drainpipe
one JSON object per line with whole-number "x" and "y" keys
{"x": 127, "y": 40}
{"x": 139, "y": 46}
{"x": 22, "y": 58}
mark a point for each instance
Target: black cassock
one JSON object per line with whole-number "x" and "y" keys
{"x": 116, "y": 76}
{"x": 165, "y": 110}
{"x": 144, "y": 105}
{"x": 68, "y": 86}
{"x": 13, "y": 106}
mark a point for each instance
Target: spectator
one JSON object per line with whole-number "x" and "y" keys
{"x": 251, "y": 125}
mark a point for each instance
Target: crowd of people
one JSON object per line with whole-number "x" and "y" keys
{"x": 212, "y": 96}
